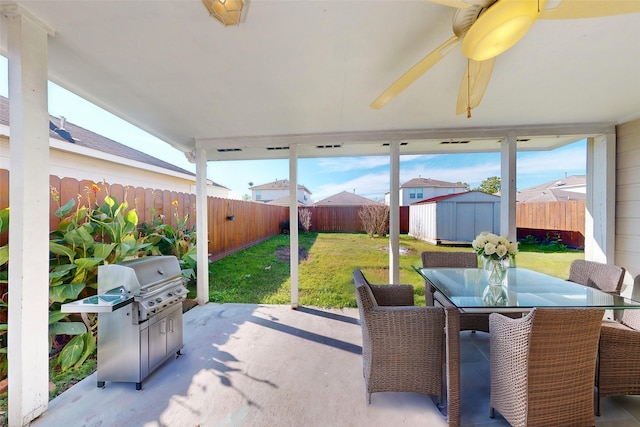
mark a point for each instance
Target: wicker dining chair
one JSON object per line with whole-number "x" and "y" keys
{"x": 441, "y": 259}
{"x": 606, "y": 277}
{"x": 402, "y": 345}
{"x": 542, "y": 366}
{"x": 619, "y": 354}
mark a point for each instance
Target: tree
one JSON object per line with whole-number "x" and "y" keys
{"x": 490, "y": 185}
{"x": 466, "y": 186}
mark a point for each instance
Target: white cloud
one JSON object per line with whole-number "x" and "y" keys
{"x": 344, "y": 164}
{"x": 571, "y": 159}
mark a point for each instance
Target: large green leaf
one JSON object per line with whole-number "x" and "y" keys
{"x": 132, "y": 217}
{"x": 71, "y": 352}
{"x": 73, "y": 238}
{"x": 61, "y": 270}
{"x": 85, "y": 234}
{"x": 67, "y": 328}
{"x": 128, "y": 243}
{"x": 89, "y": 348}
{"x": 4, "y": 254}
{"x": 4, "y": 219}
{"x": 59, "y": 249}
{"x": 80, "y": 277}
{"x": 102, "y": 250}
{"x": 55, "y": 316}
{"x": 64, "y": 210}
{"x": 88, "y": 263}
{"x": 65, "y": 292}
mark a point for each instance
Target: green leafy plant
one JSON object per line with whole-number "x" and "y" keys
{"x": 180, "y": 241}
{"x": 86, "y": 238}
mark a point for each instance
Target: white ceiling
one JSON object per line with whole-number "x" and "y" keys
{"x": 305, "y": 72}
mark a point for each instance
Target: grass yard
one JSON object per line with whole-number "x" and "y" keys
{"x": 260, "y": 274}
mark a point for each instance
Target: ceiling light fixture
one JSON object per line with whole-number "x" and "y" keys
{"x": 501, "y": 26}
{"x": 226, "y": 11}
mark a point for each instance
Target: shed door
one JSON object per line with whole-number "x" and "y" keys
{"x": 483, "y": 218}
{"x": 465, "y": 218}
{"x": 473, "y": 218}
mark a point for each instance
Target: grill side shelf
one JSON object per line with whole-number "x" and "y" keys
{"x": 97, "y": 304}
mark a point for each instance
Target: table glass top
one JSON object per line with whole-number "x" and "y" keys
{"x": 467, "y": 288}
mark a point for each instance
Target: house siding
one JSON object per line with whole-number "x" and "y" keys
{"x": 627, "y": 251}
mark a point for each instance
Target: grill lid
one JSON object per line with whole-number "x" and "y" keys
{"x": 139, "y": 274}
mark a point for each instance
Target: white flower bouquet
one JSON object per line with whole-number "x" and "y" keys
{"x": 494, "y": 247}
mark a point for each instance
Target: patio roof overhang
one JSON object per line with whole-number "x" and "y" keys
{"x": 306, "y": 71}
{"x": 295, "y": 79}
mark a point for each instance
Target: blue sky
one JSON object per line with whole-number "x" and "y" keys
{"x": 366, "y": 176}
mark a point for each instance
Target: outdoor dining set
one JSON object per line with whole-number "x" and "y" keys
{"x": 556, "y": 346}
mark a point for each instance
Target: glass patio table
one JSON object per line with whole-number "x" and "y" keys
{"x": 467, "y": 290}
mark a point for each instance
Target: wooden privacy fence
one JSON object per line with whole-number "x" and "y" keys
{"x": 252, "y": 222}
{"x": 345, "y": 219}
{"x": 564, "y": 220}
{"x": 236, "y": 224}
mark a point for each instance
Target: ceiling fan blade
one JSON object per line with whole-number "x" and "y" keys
{"x": 460, "y": 4}
{"x": 576, "y": 9}
{"x": 414, "y": 73}
{"x": 474, "y": 83}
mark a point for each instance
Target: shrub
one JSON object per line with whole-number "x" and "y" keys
{"x": 375, "y": 219}
{"x": 305, "y": 219}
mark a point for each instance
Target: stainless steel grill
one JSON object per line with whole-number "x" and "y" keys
{"x": 139, "y": 317}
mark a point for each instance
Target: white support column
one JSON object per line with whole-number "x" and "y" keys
{"x": 28, "y": 334}
{"x": 394, "y": 213}
{"x": 293, "y": 222}
{"x": 202, "y": 227}
{"x": 599, "y": 239}
{"x": 508, "y": 150}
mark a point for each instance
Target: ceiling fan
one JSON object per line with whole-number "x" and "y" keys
{"x": 487, "y": 28}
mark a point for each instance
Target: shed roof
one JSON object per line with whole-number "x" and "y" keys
{"x": 464, "y": 195}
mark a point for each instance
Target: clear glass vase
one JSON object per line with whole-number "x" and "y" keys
{"x": 495, "y": 270}
{"x": 495, "y": 296}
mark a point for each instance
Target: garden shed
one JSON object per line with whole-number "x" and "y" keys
{"x": 454, "y": 218}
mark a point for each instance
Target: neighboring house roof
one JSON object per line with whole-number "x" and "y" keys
{"x": 279, "y": 184}
{"x": 66, "y": 131}
{"x": 428, "y": 182}
{"x": 345, "y": 198}
{"x": 282, "y": 201}
{"x": 569, "y": 188}
{"x": 465, "y": 195}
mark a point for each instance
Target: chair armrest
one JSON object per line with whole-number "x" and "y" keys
{"x": 393, "y": 295}
{"x": 509, "y": 338}
{"x": 409, "y": 324}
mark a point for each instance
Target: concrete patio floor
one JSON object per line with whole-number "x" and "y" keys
{"x": 269, "y": 365}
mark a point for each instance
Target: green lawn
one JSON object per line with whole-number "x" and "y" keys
{"x": 260, "y": 274}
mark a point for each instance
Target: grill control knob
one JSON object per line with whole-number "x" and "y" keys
{"x": 150, "y": 303}
{"x": 170, "y": 294}
{"x": 158, "y": 300}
